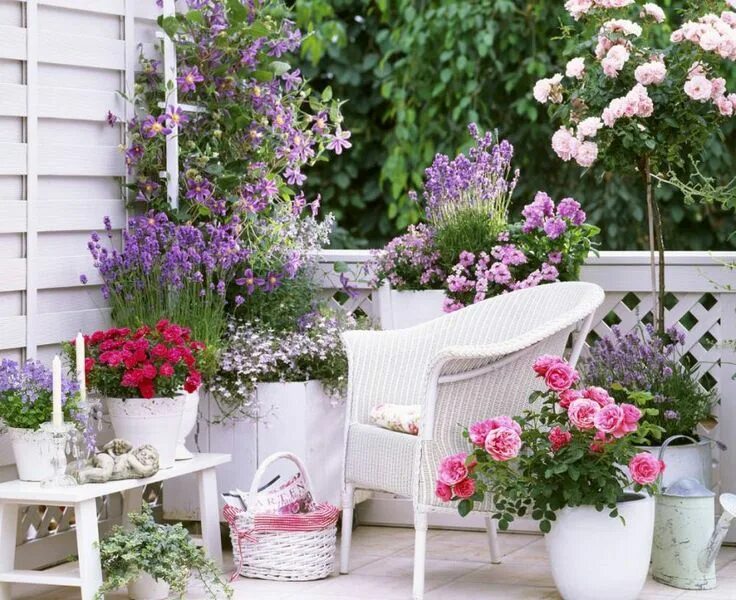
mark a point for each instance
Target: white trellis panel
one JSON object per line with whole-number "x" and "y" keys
{"x": 62, "y": 65}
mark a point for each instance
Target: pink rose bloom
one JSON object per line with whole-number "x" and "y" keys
{"x": 615, "y": 60}
{"x": 699, "y": 88}
{"x": 587, "y": 154}
{"x": 575, "y": 68}
{"x": 544, "y": 362}
{"x": 578, "y": 8}
{"x": 558, "y": 438}
{"x": 718, "y": 86}
{"x": 653, "y": 11}
{"x": 725, "y": 106}
{"x": 609, "y": 418}
{"x": 568, "y": 396}
{"x": 464, "y": 488}
{"x": 452, "y": 469}
{"x": 478, "y": 432}
{"x": 503, "y": 444}
{"x": 443, "y": 491}
{"x": 582, "y": 413}
{"x": 630, "y": 422}
{"x": 599, "y": 442}
{"x": 598, "y": 394}
{"x": 651, "y": 73}
{"x": 565, "y": 144}
{"x": 588, "y": 128}
{"x": 504, "y": 421}
{"x": 645, "y": 468}
{"x": 710, "y": 40}
{"x": 560, "y": 377}
{"x": 732, "y": 98}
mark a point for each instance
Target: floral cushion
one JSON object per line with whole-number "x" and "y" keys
{"x": 403, "y": 418}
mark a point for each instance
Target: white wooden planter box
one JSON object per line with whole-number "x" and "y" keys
{"x": 401, "y": 309}
{"x": 299, "y": 418}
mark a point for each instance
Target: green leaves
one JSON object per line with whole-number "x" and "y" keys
{"x": 464, "y": 507}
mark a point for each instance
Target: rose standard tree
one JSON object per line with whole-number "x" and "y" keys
{"x": 636, "y": 99}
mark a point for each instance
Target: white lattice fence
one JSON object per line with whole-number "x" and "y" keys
{"x": 700, "y": 300}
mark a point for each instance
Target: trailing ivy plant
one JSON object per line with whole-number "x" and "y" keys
{"x": 166, "y": 552}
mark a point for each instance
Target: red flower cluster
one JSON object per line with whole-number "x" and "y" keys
{"x": 146, "y": 359}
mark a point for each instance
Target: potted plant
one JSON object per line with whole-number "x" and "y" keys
{"x": 288, "y": 381}
{"x": 561, "y": 462}
{"x": 140, "y": 373}
{"x": 643, "y": 361}
{"x": 468, "y": 247}
{"x": 26, "y": 404}
{"x": 155, "y": 560}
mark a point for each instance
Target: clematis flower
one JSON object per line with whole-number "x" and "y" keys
{"x": 189, "y": 78}
{"x": 339, "y": 141}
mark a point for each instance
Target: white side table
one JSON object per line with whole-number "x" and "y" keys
{"x": 83, "y": 498}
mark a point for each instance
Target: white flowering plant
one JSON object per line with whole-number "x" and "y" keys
{"x": 641, "y": 94}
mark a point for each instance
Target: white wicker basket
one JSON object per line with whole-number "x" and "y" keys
{"x": 263, "y": 550}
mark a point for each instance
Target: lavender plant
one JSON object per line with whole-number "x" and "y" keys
{"x": 644, "y": 361}
{"x": 256, "y": 353}
{"x": 176, "y": 272}
{"x": 25, "y": 395}
{"x": 467, "y": 198}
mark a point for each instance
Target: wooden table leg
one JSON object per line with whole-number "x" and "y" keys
{"x": 90, "y": 569}
{"x": 209, "y": 511}
{"x": 132, "y": 502}
{"x": 8, "y": 529}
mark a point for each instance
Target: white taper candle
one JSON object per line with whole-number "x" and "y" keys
{"x": 81, "y": 375}
{"x": 57, "y": 416}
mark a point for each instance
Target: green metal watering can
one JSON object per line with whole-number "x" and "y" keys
{"x": 686, "y": 542}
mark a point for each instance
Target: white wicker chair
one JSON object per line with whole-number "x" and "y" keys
{"x": 463, "y": 367}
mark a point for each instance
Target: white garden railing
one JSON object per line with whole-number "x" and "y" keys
{"x": 701, "y": 298}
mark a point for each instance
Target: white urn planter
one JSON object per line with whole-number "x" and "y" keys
{"x": 154, "y": 421}
{"x": 596, "y": 557}
{"x": 401, "y": 309}
{"x": 146, "y": 587}
{"x": 188, "y": 421}
{"x": 688, "y": 460}
{"x": 33, "y": 452}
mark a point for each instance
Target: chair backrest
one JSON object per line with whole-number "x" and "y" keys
{"x": 531, "y": 312}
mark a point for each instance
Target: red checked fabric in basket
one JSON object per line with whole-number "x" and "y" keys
{"x": 284, "y": 547}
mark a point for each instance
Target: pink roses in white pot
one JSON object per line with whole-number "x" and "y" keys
{"x": 560, "y": 462}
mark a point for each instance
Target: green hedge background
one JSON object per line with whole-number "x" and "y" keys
{"x": 415, "y": 72}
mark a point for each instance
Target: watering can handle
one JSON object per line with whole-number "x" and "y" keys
{"x": 667, "y": 442}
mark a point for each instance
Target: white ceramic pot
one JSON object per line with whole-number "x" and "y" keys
{"x": 687, "y": 460}
{"x": 596, "y": 557}
{"x": 188, "y": 421}
{"x": 33, "y": 452}
{"x": 399, "y": 310}
{"x": 148, "y": 588}
{"x": 154, "y": 421}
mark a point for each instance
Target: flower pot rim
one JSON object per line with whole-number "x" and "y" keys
{"x": 702, "y": 442}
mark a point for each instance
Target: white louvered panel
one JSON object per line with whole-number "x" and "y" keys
{"x": 107, "y": 7}
{"x": 56, "y": 327}
{"x": 13, "y": 160}
{"x": 13, "y": 43}
{"x": 12, "y": 99}
{"x": 77, "y": 104}
{"x": 74, "y": 215}
{"x": 81, "y": 50}
{"x": 12, "y": 332}
{"x": 12, "y": 216}
{"x": 55, "y": 159}
{"x": 13, "y": 276}
{"x": 64, "y": 271}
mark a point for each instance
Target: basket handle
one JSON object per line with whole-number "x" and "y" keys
{"x": 268, "y": 462}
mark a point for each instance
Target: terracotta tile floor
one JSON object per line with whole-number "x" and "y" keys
{"x": 457, "y": 569}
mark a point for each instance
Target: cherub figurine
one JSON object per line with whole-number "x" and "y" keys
{"x": 118, "y": 460}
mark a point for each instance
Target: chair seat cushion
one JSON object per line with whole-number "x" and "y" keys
{"x": 403, "y": 418}
{"x": 380, "y": 459}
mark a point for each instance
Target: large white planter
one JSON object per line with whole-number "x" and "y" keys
{"x": 154, "y": 421}
{"x": 405, "y": 309}
{"x": 688, "y": 460}
{"x": 33, "y": 452}
{"x": 596, "y": 557}
{"x": 146, "y": 587}
{"x": 188, "y": 421}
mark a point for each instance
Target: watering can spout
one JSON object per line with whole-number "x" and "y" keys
{"x": 708, "y": 556}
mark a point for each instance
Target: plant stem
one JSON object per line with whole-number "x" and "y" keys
{"x": 660, "y": 247}
{"x": 653, "y": 245}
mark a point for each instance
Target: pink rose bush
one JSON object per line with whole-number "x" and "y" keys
{"x": 567, "y": 450}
